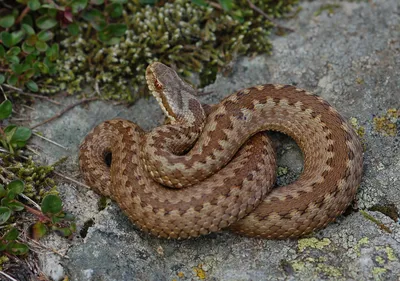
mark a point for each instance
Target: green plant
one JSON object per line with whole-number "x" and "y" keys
{"x": 51, "y": 217}
{"x": 26, "y": 51}
{"x": 12, "y": 137}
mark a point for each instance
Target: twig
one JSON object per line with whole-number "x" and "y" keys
{"x": 31, "y": 95}
{"x": 8, "y": 152}
{"x": 22, "y": 15}
{"x": 47, "y": 248}
{"x": 63, "y": 111}
{"x": 8, "y": 276}
{"x": 4, "y": 94}
{"x": 261, "y": 12}
{"x": 30, "y": 200}
{"x": 49, "y": 140}
{"x": 72, "y": 180}
{"x": 37, "y": 213}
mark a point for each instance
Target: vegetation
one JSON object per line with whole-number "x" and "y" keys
{"x": 106, "y": 45}
{"x": 16, "y": 196}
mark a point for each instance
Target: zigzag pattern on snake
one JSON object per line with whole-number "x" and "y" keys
{"x": 213, "y": 169}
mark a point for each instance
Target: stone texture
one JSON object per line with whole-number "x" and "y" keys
{"x": 352, "y": 59}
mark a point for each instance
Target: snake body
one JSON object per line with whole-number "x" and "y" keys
{"x": 213, "y": 169}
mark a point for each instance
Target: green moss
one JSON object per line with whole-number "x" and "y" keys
{"x": 188, "y": 37}
{"x": 37, "y": 182}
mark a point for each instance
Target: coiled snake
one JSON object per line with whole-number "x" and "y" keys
{"x": 220, "y": 165}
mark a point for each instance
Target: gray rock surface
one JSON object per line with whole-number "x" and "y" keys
{"x": 352, "y": 59}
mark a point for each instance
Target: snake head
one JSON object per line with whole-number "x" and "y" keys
{"x": 176, "y": 97}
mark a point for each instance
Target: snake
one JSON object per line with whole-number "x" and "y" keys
{"x": 212, "y": 167}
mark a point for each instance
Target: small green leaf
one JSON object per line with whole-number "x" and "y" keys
{"x": 27, "y": 20}
{"x": 2, "y": 79}
{"x": 114, "y": 10}
{"x": 30, "y": 59}
{"x": 15, "y": 206}
{"x": 17, "y": 186}
{"x": 17, "y": 248}
{"x": 52, "y": 52}
{"x": 29, "y": 73}
{"x": 45, "y": 35}
{"x": 9, "y": 197}
{"x": 7, "y": 21}
{"x": 17, "y": 68}
{"x": 78, "y": 5}
{"x": 41, "y": 46}
{"x": 17, "y": 36}
{"x": 64, "y": 231}
{"x": 32, "y": 86}
{"x": 41, "y": 67}
{"x": 5, "y": 109}
{"x": 2, "y": 51}
{"x": 28, "y": 29}
{"x": 14, "y": 51}
{"x": 45, "y": 22}
{"x": 38, "y": 230}
{"x": 73, "y": 28}
{"x": 3, "y": 192}
{"x": 95, "y": 18}
{"x": 34, "y": 4}
{"x": 12, "y": 59}
{"x": 12, "y": 80}
{"x": 27, "y": 49}
{"x": 116, "y": 29}
{"x": 6, "y": 38}
{"x": 5, "y": 214}
{"x": 11, "y": 235}
{"x": 55, "y": 219}
{"x": 31, "y": 40}
{"x": 226, "y": 4}
{"x": 21, "y": 135}
{"x": 51, "y": 204}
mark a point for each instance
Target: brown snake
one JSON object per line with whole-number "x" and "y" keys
{"x": 221, "y": 166}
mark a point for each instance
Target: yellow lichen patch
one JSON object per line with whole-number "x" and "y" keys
{"x": 378, "y": 271}
{"x": 390, "y": 254}
{"x": 181, "y": 274}
{"x": 329, "y": 270}
{"x": 313, "y": 243}
{"x": 361, "y": 242}
{"x": 359, "y": 80}
{"x": 200, "y": 273}
{"x": 359, "y": 129}
{"x": 387, "y": 123}
{"x": 281, "y": 171}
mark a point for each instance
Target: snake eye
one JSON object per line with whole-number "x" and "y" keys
{"x": 158, "y": 85}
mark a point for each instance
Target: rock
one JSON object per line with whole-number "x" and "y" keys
{"x": 352, "y": 59}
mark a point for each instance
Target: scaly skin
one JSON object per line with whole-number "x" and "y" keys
{"x": 225, "y": 177}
